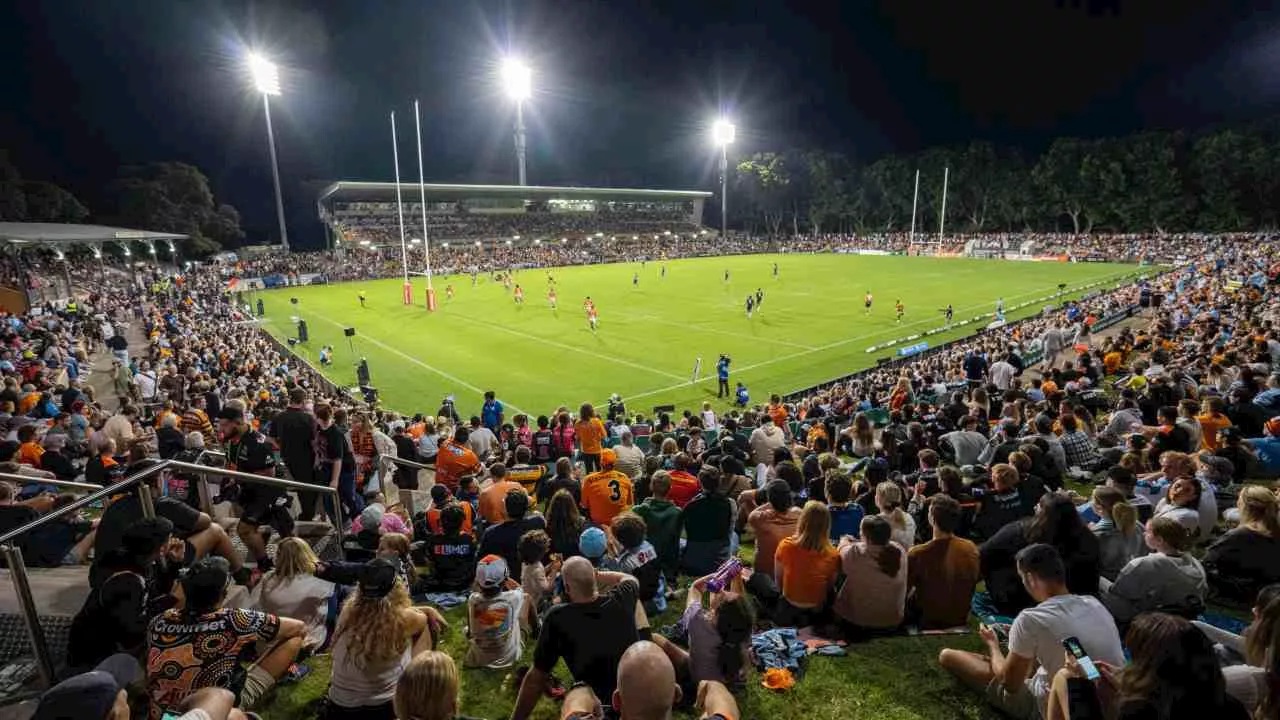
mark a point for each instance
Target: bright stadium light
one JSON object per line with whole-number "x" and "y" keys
{"x": 635, "y": 237}
{"x": 536, "y": 241}
{"x": 415, "y": 241}
{"x": 564, "y": 240}
{"x": 508, "y": 242}
{"x": 517, "y": 82}
{"x": 477, "y": 243}
{"x": 515, "y": 237}
{"x": 599, "y": 234}
{"x": 266, "y": 80}
{"x": 444, "y": 244}
{"x": 723, "y": 133}
{"x": 266, "y": 77}
{"x": 666, "y": 232}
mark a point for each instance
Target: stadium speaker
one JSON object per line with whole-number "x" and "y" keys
{"x": 349, "y": 332}
{"x": 293, "y": 301}
{"x": 663, "y": 409}
{"x": 302, "y": 331}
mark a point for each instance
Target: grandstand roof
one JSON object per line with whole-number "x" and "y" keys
{"x": 357, "y": 191}
{"x": 54, "y": 234}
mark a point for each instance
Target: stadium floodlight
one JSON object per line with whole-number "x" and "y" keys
{"x": 477, "y": 243}
{"x": 517, "y": 82}
{"x": 536, "y": 241}
{"x": 723, "y": 133}
{"x": 599, "y": 234}
{"x": 564, "y": 240}
{"x": 266, "y": 80}
{"x": 444, "y": 244}
{"x": 415, "y": 241}
{"x": 515, "y": 237}
{"x": 666, "y": 232}
{"x": 635, "y": 237}
{"x": 508, "y": 242}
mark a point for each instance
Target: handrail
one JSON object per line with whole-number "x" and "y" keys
{"x": 410, "y": 463}
{"x": 89, "y": 499}
{"x": 17, "y": 568}
{"x": 35, "y": 480}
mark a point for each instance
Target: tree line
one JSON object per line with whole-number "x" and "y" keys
{"x": 162, "y": 196}
{"x": 1218, "y": 180}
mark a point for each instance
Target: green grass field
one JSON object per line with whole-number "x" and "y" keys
{"x": 811, "y": 328}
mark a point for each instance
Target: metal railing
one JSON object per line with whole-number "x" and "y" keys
{"x": 406, "y": 496}
{"x": 12, "y": 553}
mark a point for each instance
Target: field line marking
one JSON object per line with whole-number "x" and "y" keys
{"x": 836, "y": 344}
{"x": 555, "y": 343}
{"x": 414, "y": 360}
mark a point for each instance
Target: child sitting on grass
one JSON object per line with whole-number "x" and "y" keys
{"x": 638, "y": 559}
{"x": 496, "y": 618}
{"x": 846, "y": 516}
{"x": 537, "y": 579}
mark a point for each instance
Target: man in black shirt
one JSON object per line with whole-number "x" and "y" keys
{"x": 294, "y": 433}
{"x": 200, "y": 534}
{"x": 249, "y": 451}
{"x": 336, "y": 464}
{"x": 590, "y": 631}
{"x": 504, "y": 538}
{"x": 452, "y": 553}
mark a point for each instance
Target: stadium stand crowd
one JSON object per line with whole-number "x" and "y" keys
{"x": 873, "y": 505}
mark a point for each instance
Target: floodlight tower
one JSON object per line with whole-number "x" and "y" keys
{"x": 722, "y": 133}
{"x": 266, "y": 80}
{"x": 517, "y": 81}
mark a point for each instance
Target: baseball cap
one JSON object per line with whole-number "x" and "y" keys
{"x": 592, "y": 543}
{"x": 91, "y": 694}
{"x": 377, "y": 578}
{"x": 371, "y": 518}
{"x": 608, "y": 457}
{"x": 491, "y": 571}
{"x": 231, "y": 412}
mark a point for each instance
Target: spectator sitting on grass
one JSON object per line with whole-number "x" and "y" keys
{"x": 537, "y": 579}
{"x": 377, "y": 634}
{"x": 719, "y": 637}
{"x": 1166, "y": 579}
{"x": 647, "y": 689}
{"x": 497, "y": 618}
{"x": 638, "y": 559}
{"x": 1036, "y": 637}
{"x": 590, "y": 631}
{"x": 942, "y": 573}
{"x": 503, "y": 539}
{"x": 292, "y": 590}
{"x": 804, "y": 571}
{"x": 1056, "y": 523}
{"x": 708, "y": 524}
{"x": 428, "y": 688}
{"x": 846, "y": 516}
{"x": 1247, "y": 558}
{"x": 451, "y": 552}
{"x": 874, "y": 593}
{"x": 1119, "y": 535}
{"x": 1172, "y": 674}
{"x": 662, "y": 522}
{"x": 204, "y": 643}
{"x": 771, "y": 522}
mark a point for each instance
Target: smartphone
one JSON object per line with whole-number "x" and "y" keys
{"x": 1073, "y": 646}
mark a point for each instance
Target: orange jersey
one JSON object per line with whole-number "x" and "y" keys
{"x": 590, "y": 435}
{"x": 605, "y": 494}
{"x": 433, "y": 518}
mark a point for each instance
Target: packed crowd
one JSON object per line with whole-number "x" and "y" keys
{"x": 575, "y": 530}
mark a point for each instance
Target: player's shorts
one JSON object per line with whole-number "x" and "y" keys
{"x": 867, "y": 304}
{"x": 266, "y": 506}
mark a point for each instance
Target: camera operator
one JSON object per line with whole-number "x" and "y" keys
{"x": 722, "y": 375}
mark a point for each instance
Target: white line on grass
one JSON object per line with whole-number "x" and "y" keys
{"x": 554, "y": 343}
{"x": 415, "y": 361}
{"x": 829, "y": 346}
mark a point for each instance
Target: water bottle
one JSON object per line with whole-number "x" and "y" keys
{"x": 724, "y": 575}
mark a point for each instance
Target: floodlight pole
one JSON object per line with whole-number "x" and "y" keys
{"x": 275, "y": 171}
{"x": 915, "y": 200}
{"x": 724, "y": 190}
{"x": 942, "y": 216}
{"x": 520, "y": 144}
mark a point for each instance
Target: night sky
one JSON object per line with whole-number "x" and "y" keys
{"x": 624, "y": 90}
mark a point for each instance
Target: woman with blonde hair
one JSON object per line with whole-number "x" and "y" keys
{"x": 889, "y": 501}
{"x": 804, "y": 568}
{"x": 428, "y": 688}
{"x": 1247, "y": 558}
{"x": 1117, "y": 530}
{"x": 378, "y": 633}
{"x": 292, "y": 590}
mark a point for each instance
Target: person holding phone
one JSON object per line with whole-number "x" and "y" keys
{"x": 1036, "y": 637}
{"x": 1173, "y": 674}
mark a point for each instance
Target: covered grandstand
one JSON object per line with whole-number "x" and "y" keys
{"x": 366, "y": 212}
